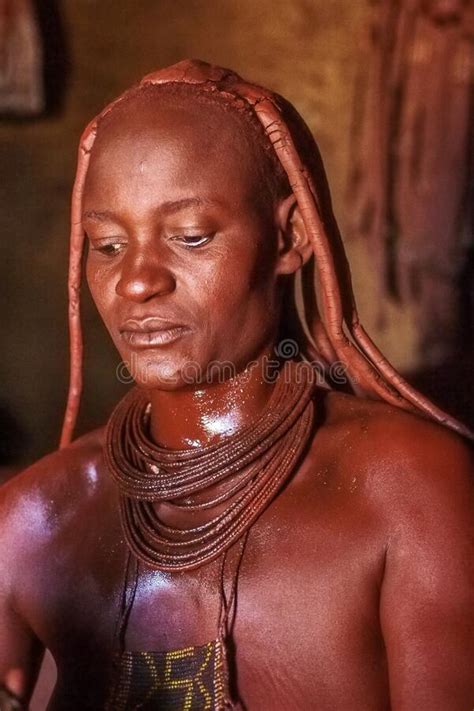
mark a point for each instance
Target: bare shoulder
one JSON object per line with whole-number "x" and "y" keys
{"x": 399, "y": 458}
{"x": 412, "y": 484}
{"x": 37, "y": 503}
{"x": 65, "y": 471}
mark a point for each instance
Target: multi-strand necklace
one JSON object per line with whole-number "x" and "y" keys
{"x": 252, "y": 464}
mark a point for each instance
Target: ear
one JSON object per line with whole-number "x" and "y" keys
{"x": 294, "y": 247}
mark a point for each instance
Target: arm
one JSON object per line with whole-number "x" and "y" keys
{"x": 427, "y": 598}
{"x": 20, "y": 655}
{"x": 20, "y": 650}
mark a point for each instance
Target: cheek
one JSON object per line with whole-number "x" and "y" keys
{"x": 249, "y": 266}
{"x": 238, "y": 294}
{"x": 101, "y": 290}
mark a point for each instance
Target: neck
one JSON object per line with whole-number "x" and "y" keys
{"x": 195, "y": 417}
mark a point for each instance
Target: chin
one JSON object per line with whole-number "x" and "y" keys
{"x": 160, "y": 384}
{"x": 162, "y": 374}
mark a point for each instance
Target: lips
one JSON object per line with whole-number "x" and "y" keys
{"x": 151, "y": 332}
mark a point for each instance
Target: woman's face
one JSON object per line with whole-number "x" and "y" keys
{"x": 183, "y": 259}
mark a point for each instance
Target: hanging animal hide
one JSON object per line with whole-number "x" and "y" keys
{"x": 21, "y": 84}
{"x": 411, "y": 182}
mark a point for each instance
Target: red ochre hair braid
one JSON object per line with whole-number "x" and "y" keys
{"x": 330, "y": 315}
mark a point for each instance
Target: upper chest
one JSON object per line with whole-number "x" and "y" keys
{"x": 317, "y": 535}
{"x": 291, "y": 571}
{"x": 318, "y": 550}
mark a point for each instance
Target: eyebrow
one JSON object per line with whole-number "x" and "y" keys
{"x": 166, "y": 208}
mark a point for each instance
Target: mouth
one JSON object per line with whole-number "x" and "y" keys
{"x": 151, "y": 333}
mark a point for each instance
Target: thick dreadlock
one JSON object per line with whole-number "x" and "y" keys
{"x": 328, "y": 327}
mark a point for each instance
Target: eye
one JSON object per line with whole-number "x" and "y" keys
{"x": 193, "y": 241}
{"x": 107, "y": 249}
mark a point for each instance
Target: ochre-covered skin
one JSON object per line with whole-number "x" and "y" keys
{"x": 356, "y": 585}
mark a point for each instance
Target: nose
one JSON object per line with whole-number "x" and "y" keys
{"x": 143, "y": 276}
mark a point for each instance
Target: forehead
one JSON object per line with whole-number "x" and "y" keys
{"x": 171, "y": 146}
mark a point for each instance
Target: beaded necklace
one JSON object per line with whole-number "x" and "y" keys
{"x": 147, "y": 474}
